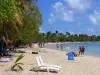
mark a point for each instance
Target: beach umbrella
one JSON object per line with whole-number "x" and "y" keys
{"x": 9, "y": 41}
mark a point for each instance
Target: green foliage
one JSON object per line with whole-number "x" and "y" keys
{"x": 20, "y": 20}
{"x": 31, "y": 23}
{"x": 7, "y": 9}
{"x": 17, "y": 63}
{"x": 68, "y": 37}
{"x": 19, "y": 58}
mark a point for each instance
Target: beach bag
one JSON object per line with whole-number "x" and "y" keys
{"x": 70, "y": 56}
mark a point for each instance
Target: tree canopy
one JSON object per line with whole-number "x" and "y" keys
{"x": 20, "y": 19}
{"x": 67, "y": 37}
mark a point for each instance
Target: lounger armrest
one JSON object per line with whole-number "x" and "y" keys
{"x": 46, "y": 64}
{"x": 56, "y": 66}
{"x": 50, "y": 68}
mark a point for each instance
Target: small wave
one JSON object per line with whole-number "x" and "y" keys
{"x": 68, "y": 48}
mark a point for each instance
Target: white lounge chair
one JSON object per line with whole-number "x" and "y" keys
{"x": 44, "y": 64}
{"x": 47, "y": 68}
{"x": 38, "y": 61}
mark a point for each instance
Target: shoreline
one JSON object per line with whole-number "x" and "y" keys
{"x": 71, "y": 42}
{"x": 67, "y": 48}
{"x": 55, "y": 50}
{"x": 87, "y": 54}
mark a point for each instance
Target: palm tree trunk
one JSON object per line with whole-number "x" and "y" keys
{"x": 4, "y": 31}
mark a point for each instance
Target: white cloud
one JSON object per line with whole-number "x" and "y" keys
{"x": 58, "y": 6}
{"x": 79, "y": 4}
{"x": 63, "y": 12}
{"x": 51, "y": 19}
{"x": 41, "y": 30}
{"x": 95, "y": 18}
{"x": 91, "y": 29}
{"x": 67, "y": 16}
{"x": 60, "y": 12}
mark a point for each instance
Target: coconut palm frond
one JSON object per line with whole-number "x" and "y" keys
{"x": 17, "y": 63}
{"x": 19, "y": 17}
{"x": 19, "y": 58}
{"x": 20, "y": 63}
{"x": 12, "y": 68}
{"x": 20, "y": 67}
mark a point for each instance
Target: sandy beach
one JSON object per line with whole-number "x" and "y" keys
{"x": 82, "y": 65}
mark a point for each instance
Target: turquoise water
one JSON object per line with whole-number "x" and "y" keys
{"x": 92, "y": 48}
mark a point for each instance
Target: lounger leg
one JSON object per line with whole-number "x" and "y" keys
{"x": 47, "y": 71}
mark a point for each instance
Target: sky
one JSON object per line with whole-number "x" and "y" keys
{"x": 74, "y": 16}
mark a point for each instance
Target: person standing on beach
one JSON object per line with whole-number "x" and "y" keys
{"x": 42, "y": 44}
{"x": 4, "y": 49}
{"x": 61, "y": 46}
{"x": 80, "y": 50}
{"x": 57, "y": 46}
{"x": 83, "y": 49}
{"x": 30, "y": 45}
{"x": 1, "y": 46}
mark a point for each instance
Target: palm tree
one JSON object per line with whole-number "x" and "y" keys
{"x": 17, "y": 63}
{"x": 10, "y": 14}
{"x": 57, "y": 36}
{"x": 68, "y": 34}
{"x": 48, "y": 36}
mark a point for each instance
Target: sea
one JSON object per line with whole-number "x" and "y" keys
{"x": 91, "y": 48}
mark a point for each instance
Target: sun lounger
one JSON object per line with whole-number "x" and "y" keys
{"x": 44, "y": 64}
{"x": 47, "y": 68}
{"x": 38, "y": 61}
